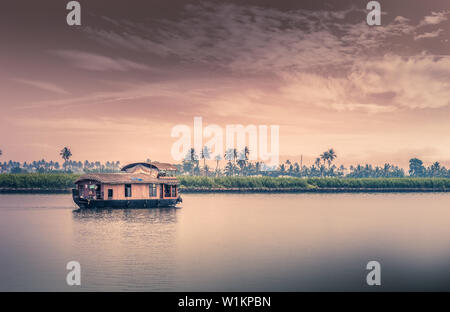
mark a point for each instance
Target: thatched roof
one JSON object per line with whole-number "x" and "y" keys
{"x": 125, "y": 178}
{"x": 156, "y": 165}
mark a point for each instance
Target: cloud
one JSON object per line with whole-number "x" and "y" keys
{"x": 435, "y": 18}
{"x": 415, "y": 82}
{"x": 47, "y": 86}
{"x": 377, "y": 86}
{"x": 432, "y": 34}
{"x": 240, "y": 38}
{"x": 95, "y": 62}
{"x": 254, "y": 39}
{"x": 384, "y": 85}
{"x": 314, "y": 58}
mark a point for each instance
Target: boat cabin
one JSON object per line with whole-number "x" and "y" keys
{"x": 137, "y": 181}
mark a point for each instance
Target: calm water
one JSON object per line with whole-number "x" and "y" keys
{"x": 242, "y": 242}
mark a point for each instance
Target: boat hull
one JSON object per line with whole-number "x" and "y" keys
{"x": 125, "y": 204}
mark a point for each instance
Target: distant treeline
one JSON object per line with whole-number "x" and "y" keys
{"x": 65, "y": 181}
{"x": 237, "y": 163}
{"x": 69, "y": 166}
{"x": 242, "y": 168}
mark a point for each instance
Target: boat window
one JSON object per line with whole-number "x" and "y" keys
{"x": 110, "y": 193}
{"x": 174, "y": 191}
{"x": 167, "y": 189}
{"x": 127, "y": 190}
{"x": 152, "y": 190}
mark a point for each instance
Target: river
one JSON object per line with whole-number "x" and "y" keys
{"x": 229, "y": 242}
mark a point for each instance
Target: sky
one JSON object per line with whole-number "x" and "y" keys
{"x": 114, "y": 87}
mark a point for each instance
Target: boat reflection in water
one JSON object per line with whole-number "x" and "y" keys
{"x": 146, "y": 216}
{"x": 126, "y": 249}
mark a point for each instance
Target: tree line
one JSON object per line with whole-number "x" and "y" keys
{"x": 66, "y": 166}
{"x": 237, "y": 164}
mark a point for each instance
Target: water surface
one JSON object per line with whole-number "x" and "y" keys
{"x": 229, "y": 242}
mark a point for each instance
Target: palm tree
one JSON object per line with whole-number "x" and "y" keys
{"x": 193, "y": 159}
{"x": 192, "y": 155}
{"x": 331, "y": 156}
{"x": 246, "y": 153}
{"x": 218, "y": 158}
{"x": 231, "y": 154}
{"x": 435, "y": 169}
{"x": 230, "y": 168}
{"x": 242, "y": 159}
{"x": 257, "y": 167}
{"x": 342, "y": 170}
{"x": 324, "y": 156}
{"x": 205, "y": 154}
{"x": 317, "y": 162}
{"x": 65, "y": 154}
{"x": 416, "y": 168}
{"x": 296, "y": 167}
{"x": 196, "y": 169}
{"x": 187, "y": 165}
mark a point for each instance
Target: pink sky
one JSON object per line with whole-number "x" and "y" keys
{"x": 113, "y": 88}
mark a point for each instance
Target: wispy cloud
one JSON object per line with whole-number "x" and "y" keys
{"x": 247, "y": 38}
{"x": 435, "y": 18}
{"x": 315, "y": 58}
{"x": 253, "y": 39}
{"x": 381, "y": 85}
{"x": 96, "y": 62}
{"x": 47, "y": 86}
{"x": 431, "y": 34}
{"x": 321, "y": 58}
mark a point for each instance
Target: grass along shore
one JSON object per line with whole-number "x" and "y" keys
{"x": 292, "y": 184}
{"x": 62, "y": 182}
{"x": 30, "y": 182}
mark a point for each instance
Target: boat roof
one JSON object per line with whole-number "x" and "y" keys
{"x": 126, "y": 178}
{"x": 156, "y": 165}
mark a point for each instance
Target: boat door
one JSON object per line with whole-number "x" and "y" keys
{"x": 98, "y": 191}
{"x": 161, "y": 191}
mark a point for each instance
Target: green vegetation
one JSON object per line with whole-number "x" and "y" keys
{"x": 313, "y": 183}
{"x": 65, "y": 155}
{"x": 242, "y": 182}
{"x": 419, "y": 183}
{"x": 62, "y": 181}
{"x": 238, "y": 164}
{"x": 46, "y": 181}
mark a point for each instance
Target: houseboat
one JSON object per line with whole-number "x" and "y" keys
{"x": 137, "y": 185}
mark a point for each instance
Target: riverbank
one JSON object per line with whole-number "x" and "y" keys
{"x": 314, "y": 190}
{"x": 190, "y": 190}
{"x": 263, "y": 183}
{"x": 62, "y": 183}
